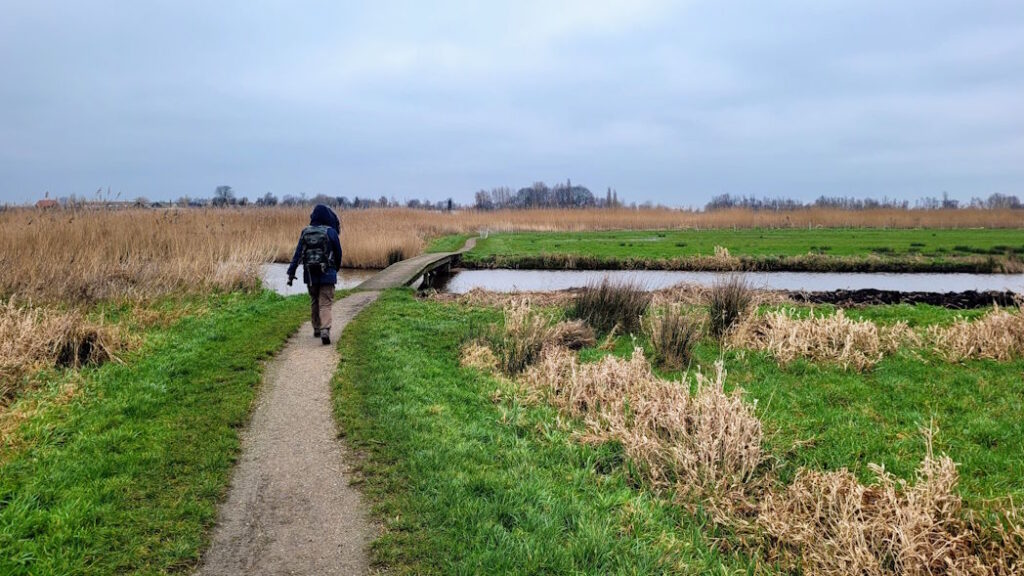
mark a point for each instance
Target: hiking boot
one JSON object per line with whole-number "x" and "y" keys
{"x": 316, "y": 333}
{"x": 325, "y": 335}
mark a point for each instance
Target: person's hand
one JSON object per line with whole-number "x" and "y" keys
{"x": 290, "y": 280}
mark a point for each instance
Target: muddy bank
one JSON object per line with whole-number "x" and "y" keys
{"x": 869, "y": 297}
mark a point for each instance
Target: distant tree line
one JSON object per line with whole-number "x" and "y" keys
{"x": 993, "y": 202}
{"x": 540, "y": 195}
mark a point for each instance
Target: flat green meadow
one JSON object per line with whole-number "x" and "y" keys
{"x": 775, "y": 248}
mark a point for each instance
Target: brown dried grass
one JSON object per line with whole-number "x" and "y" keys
{"x": 857, "y": 344}
{"x": 829, "y": 523}
{"x": 572, "y": 334}
{"x": 706, "y": 448}
{"x": 707, "y": 443}
{"x": 33, "y": 338}
{"x": 477, "y": 355}
{"x": 518, "y": 342}
{"x": 998, "y": 335}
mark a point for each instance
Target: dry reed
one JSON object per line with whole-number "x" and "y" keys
{"x": 829, "y": 523}
{"x": 707, "y": 443}
{"x": 34, "y": 338}
{"x": 998, "y": 335}
{"x": 829, "y": 338}
{"x": 572, "y": 334}
{"x": 518, "y": 343}
{"x": 609, "y": 304}
{"x": 729, "y": 299}
{"x": 706, "y": 447}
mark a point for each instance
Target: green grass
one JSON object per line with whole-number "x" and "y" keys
{"x": 448, "y": 243}
{"x": 853, "y": 419}
{"x": 465, "y": 484}
{"x": 946, "y": 249}
{"x": 125, "y": 478}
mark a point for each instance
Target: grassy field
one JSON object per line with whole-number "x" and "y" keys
{"x": 467, "y": 478}
{"x": 118, "y": 469}
{"x": 982, "y": 250}
{"x": 468, "y": 481}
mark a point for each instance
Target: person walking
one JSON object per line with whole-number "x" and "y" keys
{"x": 319, "y": 250}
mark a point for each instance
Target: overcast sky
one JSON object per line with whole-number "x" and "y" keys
{"x": 665, "y": 101}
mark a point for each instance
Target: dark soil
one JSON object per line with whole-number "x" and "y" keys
{"x": 868, "y": 297}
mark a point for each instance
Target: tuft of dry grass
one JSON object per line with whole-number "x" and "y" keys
{"x": 33, "y": 338}
{"x": 609, "y": 304}
{"x": 729, "y": 300}
{"x": 673, "y": 335}
{"x": 829, "y": 338}
{"x": 479, "y": 356}
{"x": 998, "y": 335}
{"x": 829, "y": 523}
{"x": 707, "y": 443}
{"x": 519, "y": 341}
{"x": 572, "y": 334}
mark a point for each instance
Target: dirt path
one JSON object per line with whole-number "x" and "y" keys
{"x": 290, "y": 509}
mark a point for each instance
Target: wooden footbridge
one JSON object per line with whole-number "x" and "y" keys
{"x": 406, "y": 272}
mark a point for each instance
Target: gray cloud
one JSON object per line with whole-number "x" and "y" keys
{"x": 665, "y": 101}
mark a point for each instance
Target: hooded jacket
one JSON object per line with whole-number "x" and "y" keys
{"x": 321, "y": 216}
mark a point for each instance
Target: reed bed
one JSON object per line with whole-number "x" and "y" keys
{"x": 97, "y": 254}
{"x": 860, "y": 344}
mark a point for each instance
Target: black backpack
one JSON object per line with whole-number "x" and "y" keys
{"x": 316, "y": 249}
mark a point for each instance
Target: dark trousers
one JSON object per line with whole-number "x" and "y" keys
{"x": 321, "y": 297}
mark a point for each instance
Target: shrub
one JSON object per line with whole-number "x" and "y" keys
{"x": 607, "y": 305}
{"x": 673, "y": 335}
{"x": 728, "y": 301}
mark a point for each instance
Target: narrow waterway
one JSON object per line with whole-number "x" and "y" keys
{"x": 503, "y": 280}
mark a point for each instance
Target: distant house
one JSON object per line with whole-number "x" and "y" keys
{"x": 47, "y": 203}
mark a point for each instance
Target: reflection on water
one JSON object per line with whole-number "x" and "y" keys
{"x": 504, "y": 280}
{"x": 275, "y": 277}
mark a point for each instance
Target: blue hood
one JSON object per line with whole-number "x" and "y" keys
{"x": 323, "y": 216}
